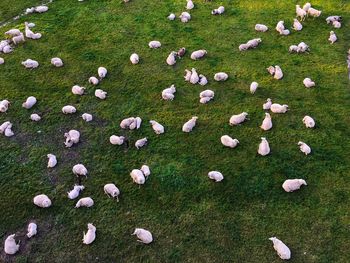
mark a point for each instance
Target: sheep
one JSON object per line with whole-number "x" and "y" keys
{"x": 228, "y": 141}
{"x": 116, "y": 140}
{"x": 185, "y": 17}
{"x": 30, "y": 34}
{"x": 267, "y": 122}
{"x": 220, "y": 10}
{"x": 293, "y": 184}
{"x": 282, "y": 250}
{"x": 74, "y": 193}
{"x": 4, "y": 126}
{"x": 7, "y": 49}
{"x": 68, "y": 109}
{"x": 171, "y": 59}
{"x": 10, "y": 246}
{"x": 154, "y": 44}
{"x": 267, "y": 104}
{"x": 101, "y": 94}
{"x": 332, "y": 37}
{"x": 29, "y": 103}
{"x": 18, "y": 39}
{"x": 72, "y": 137}
{"x": 188, "y": 74}
{"x": 171, "y": 17}
{"x": 57, "y": 62}
{"x": 8, "y": 131}
{"x": 31, "y": 25}
{"x": 77, "y": 90}
{"x": 202, "y": 80}
{"x": 304, "y": 148}
{"x": 309, "y": 122}
{"x": 278, "y": 108}
{"x": 271, "y": 70}
{"x": 297, "y": 26}
{"x": 42, "y": 201}
{"x": 253, "y": 87}
{"x": 52, "y": 160}
{"x": 137, "y": 176}
{"x": 301, "y": 13}
{"x": 85, "y": 202}
{"x": 206, "y": 95}
{"x": 4, "y": 105}
{"x": 143, "y": 235}
{"x": 41, "y": 9}
{"x": 194, "y": 76}
{"x": 336, "y": 24}
{"x": 30, "y": 64}
{"x": 306, "y": 7}
{"x": 243, "y": 47}
{"x": 253, "y": 43}
{"x": 3, "y": 43}
{"x": 216, "y": 176}
{"x": 314, "y": 12}
{"x": 332, "y": 19}
{"x": 189, "y": 5}
{"x": 35, "y": 117}
{"x": 261, "y": 28}
{"x": 134, "y": 58}
{"x": 168, "y": 93}
{"x": 189, "y": 125}
{"x": 13, "y": 32}
{"x": 80, "y": 170}
{"x": 280, "y": 27}
{"x": 302, "y": 47}
{"x": 157, "y": 127}
{"x": 278, "y": 73}
{"x": 93, "y": 81}
{"x": 102, "y": 72}
{"x": 145, "y": 170}
{"x": 293, "y": 49}
{"x": 220, "y": 76}
{"x": 181, "y": 52}
{"x": 308, "y": 83}
{"x": 138, "y": 122}
{"x": 238, "y": 119}
{"x": 87, "y": 117}
{"x": 90, "y": 235}
{"x": 32, "y": 230}
{"x": 264, "y": 147}
{"x": 111, "y": 191}
{"x": 30, "y": 10}
{"x": 198, "y": 54}
{"x": 141, "y": 142}
{"x": 125, "y": 124}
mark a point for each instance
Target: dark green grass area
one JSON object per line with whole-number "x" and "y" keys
{"x": 192, "y": 218}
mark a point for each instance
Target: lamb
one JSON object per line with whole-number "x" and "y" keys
{"x": 10, "y": 246}
{"x": 314, "y": 12}
{"x": 267, "y": 122}
{"x": 111, "y": 191}
{"x": 87, "y": 117}
{"x": 306, "y": 7}
{"x": 282, "y": 250}
{"x": 93, "y": 81}
{"x": 332, "y": 37}
{"x": 72, "y": 137}
{"x": 90, "y": 235}
{"x": 168, "y": 93}
{"x": 42, "y": 201}
{"x": 74, "y": 193}
{"x": 198, "y": 54}
{"x": 35, "y": 117}
{"x": 194, "y": 76}
{"x": 30, "y": 64}
{"x": 4, "y": 105}
{"x": 137, "y": 176}
{"x": 309, "y": 122}
{"x": 181, "y": 52}
{"x": 41, "y": 9}
{"x": 80, "y": 170}
{"x": 302, "y": 47}
{"x": 189, "y": 5}
{"x": 189, "y": 125}
{"x": 238, "y": 119}
{"x": 216, "y": 176}
{"x": 293, "y": 184}
{"x": 202, "y": 80}
{"x": 297, "y": 26}
{"x": 157, "y": 127}
{"x": 185, "y": 17}
{"x": 116, "y": 140}
{"x": 308, "y": 83}
{"x": 304, "y": 148}
{"x": 143, "y": 235}
{"x": 267, "y": 104}
{"x": 77, "y": 90}
{"x": 171, "y": 17}
{"x": 18, "y": 39}
{"x": 206, "y": 95}
{"x": 99, "y": 93}
{"x": 134, "y": 58}
{"x": 171, "y": 59}
{"x": 102, "y": 72}
{"x": 85, "y": 202}
{"x": 141, "y": 142}
{"x": 32, "y": 230}
{"x": 278, "y": 108}
{"x": 52, "y": 160}
{"x": 301, "y": 13}
{"x": 253, "y": 87}
{"x": 68, "y": 109}
{"x": 264, "y": 147}
{"x": 228, "y": 141}
{"x": 154, "y": 44}
{"x": 261, "y": 28}
{"x": 57, "y": 62}
{"x": 278, "y": 73}
{"x": 145, "y": 170}
{"x": 220, "y": 10}
{"x": 4, "y": 126}
{"x": 220, "y": 76}
{"x": 29, "y": 103}
{"x": 13, "y": 32}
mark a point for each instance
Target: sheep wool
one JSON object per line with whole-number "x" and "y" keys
{"x": 10, "y": 246}
{"x": 90, "y": 235}
{"x": 143, "y": 235}
{"x": 282, "y": 250}
{"x": 216, "y": 176}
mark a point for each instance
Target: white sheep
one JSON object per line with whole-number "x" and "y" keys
{"x": 7, "y": 49}
{"x": 228, "y": 141}
{"x": 264, "y": 147}
{"x": 74, "y": 193}
{"x": 171, "y": 59}
{"x": 332, "y": 19}
{"x": 291, "y": 185}
{"x": 87, "y": 117}
{"x": 29, "y": 63}
{"x": 101, "y": 94}
{"x": 141, "y": 142}
{"x": 143, "y": 235}
{"x": 137, "y": 176}
{"x": 297, "y": 26}
{"x": 154, "y": 44}
{"x": 278, "y": 108}
{"x": 52, "y": 160}
{"x": 32, "y": 230}
{"x": 267, "y": 104}
{"x": 138, "y": 122}
{"x": 29, "y": 103}
{"x": 145, "y": 170}
{"x": 134, "y": 58}
{"x": 194, "y": 76}
{"x": 282, "y": 250}
{"x": 216, "y": 176}
{"x": 2, "y": 61}
{"x": 189, "y": 125}
{"x": 68, "y": 109}
{"x": 30, "y": 34}
{"x": 157, "y": 127}
{"x": 309, "y": 122}
{"x": 10, "y": 246}
{"x": 206, "y": 95}
{"x": 202, "y": 80}
{"x": 4, "y": 43}
{"x": 280, "y": 27}
{"x": 198, "y": 54}
{"x": 72, "y": 137}
{"x": 307, "y": 6}
{"x": 168, "y": 93}
{"x": 18, "y": 39}
{"x": 336, "y": 24}
{"x": 41, "y": 9}
{"x": 220, "y": 76}
{"x": 185, "y": 17}
{"x": 57, "y": 62}
{"x": 171, "y": 17}
{"x": 116, "y": 140}
{"x": 303, "y": 47}
{"x": 271, "y": 70}
{"x": 238, "y": 119}
{"x": 4, "y": 105}
{"x": 4, "y": 126}
{"x": 301, "y": 13}
{"x": 102, "y": 72}
{"x": 332, "y": 37}
{"x": 77, "y": 90}
{"x": 261, "y": 28}
{"x": 308, "y": 83}
{"x": 278, "y": 73}
{"x": 220, "y": 10}
{"x": 253, "y": 43}
{"x": 189, "y": 5}
{"x": 8, "y": 131}
{"x": 90, "y": 235}
{"x": 111, "y": 191}
{"x": 304, "y": 148}
{"x": 80, "y": 170}
{"x": 42, "y": 201}
{"x": 13, "y": 32}
{"x": 35, "y": 117}
{"x": 125, "y": 124}
{"x": 293, "y": 49}
{"x": 93, "y": 81}
{"x": 267, "y": 122}
{"x": 188, "y": 74}
{"x": 253, "y": 87}
{"x": 85, "y": 202}
{"x": 314, "y": 12}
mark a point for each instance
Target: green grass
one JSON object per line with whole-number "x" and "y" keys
{"x": 192, "y": 218}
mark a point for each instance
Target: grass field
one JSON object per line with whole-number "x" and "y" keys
{"x": 192, "y": 218}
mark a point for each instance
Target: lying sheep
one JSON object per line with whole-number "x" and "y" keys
{"x": 194, "y": 76}
{"x": 134, "y": 58}
{"x": 220, "y": 76}
{"x": 332, "y": 19}
{"x": 332, "y": 37}
{"x": 141, "y": 142}
{"x": 154, "y": 44}
{"x": 85, "y": 202}
{"x": 168, "y": 93}
{"x": 314, "y": 12}
{"x": 93, "y": 81}
{"x": 267, "y": 104}
{"x": 188, "y": 74}
{"x": 80, "y": 170}
{"x": 309, "y": 122}
{"x": 281, "y": 29}
{"x": 125, "y": 124}
{"x": 238, "y": 119}
{"x": 171, "y": 59}
{"x": 102, "y": 72}
{"x": 261, "y": 28}
{"x": 74, "y": 193}
{"x": 336, "y": 24}
{"x": 137, "y": 176}
{"x": 7, "y": 49}
{"x": 302, "y": 48}
{"x": 57, "y": 62}
{"x": 216, "y": 176}
{"x": 157, "y": 127}
{"x": 278, "y": 108}
{"x": 90, "y": 235}
{"x": 8, "y": 131}
{"x": 189, "y": 5}
{"x": 198, "y": 54}
{"x": 116, "y": 140}
{"x": 18, "y": 39}
{"x": 293, "y": 49}
{"x": 220, "y": 10}
{"x": 72, "y": 137}
{"x": 171, "y": 17}
{"x": 228, "y": 141}
{"x": 42, "y": 201}
{"x": 143, "y": 235}
{"x": 189, "y": 125}
{"x": 87, "y": 117}
{"x": 278, "y": 73}
{"x": 267, "y": 122}
{"x": 13, "y": 32}
{"x": 308, "y": 83}
{"x": 293, "y": 184}
{"x": 35, "y": 117}
{"x": 32, "y": 230}
{"x": 77, "y": 90}
{"x": 185, "y": 17}
{"x": 304, "y": 148}
{"x": 301, "y": 13}
{"x": 111, "y": 191}
{"x": 250, "y": 44}
{"x": 145, "y": 170}
{"x": 30, "y": 64}
{"x": 297, "y": 26}
{"x": 253, "y": 87}
{"x": 4, "y": 105}
{"x": 41, "y": 9}
{"x": 29, "y": 103}
{"x": 30, "y": 34}
{"x": 52, "y": 160}
{"x": 206, "y": 96}
{"x": 10, "y": 246}
{"x": 264, "y": 147}
{"x": 202, "y": 80}
{"x": 101, "y": 94}
{"x": 68, "y": 109}
{"x": 282, "y": 250}
{"x": 4, "y": 126}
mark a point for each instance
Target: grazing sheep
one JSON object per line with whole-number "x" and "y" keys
{"x": 72, "y": 137}
{"x": 154, "y": 44}
{"x": 261, "y": 28}
{"x": 238, "y": 119}
{"x": 102, "y": 72}
{"x": 293, "y": 49}
{"x": 4, "y": 105}
{"x": 202, "y": 80}
{"x": 220, "y": 10}
{"x": 137, "y": 176}
{"x": 282, "y": 250}
{"x": 168, "y": 93}
{"x": 304, "y": 148}
{"x": 111, "y": 191}
{"x": 93, "y": 81}
{"x": 189, "y": 125}
{"x": 181, "y": 52}
{"x": 141, "y": 142}
{"x": 29, "y": 63}
{"x": 308, "y": 83}
{"x": 253, "y": 43}
{"x": 68, "y": 109}
{"x": 302, "y": 47}
{"x": 85, "y": 202}
{"x": 171, "y": 17}
{"x": 264, "y": 147}
{"x": 189, "y": 5}
{"x": 278, "y": 108}
{"x": 134, "y": 58}
{"x": 10, "y": 246}
{"x": 194, "y": 76}
{"x": 267, "y": 104}
{"x": 42, "y": 201}
{"x": 87, "y": 117}
{"x": 301, "y": 13}
{"x": 32, "y": 230}
{"x": 297, "y": 26}
{"x": 99, "y": 93}
{"x": 171, "y": 59}
{"x": 185, "y": 17}
{"x": 253, "y": 87}
{"x": 2, "y": 61}
{"x": 332, "y": 19}
{"x": 157, "y": 127}
{"x": 309, "y": 122}
{"x": 18, "y": 39}
{"x": 198, "y": 54}
{"x": 332, "y": 37}
{"x": 228, "y": 141}
{"x": 52, "y": 160}
{"x": 90, "y": 235}
{"x": 216, "y": 176}
{"x": 145, "y": 170}
{"x": 293, "y": 184}
{"x": 306, "y": 7}
{"x": 143, "y": 235}
{"x": 77, "y": 90}
{"x": 29, "y": 103}
{"x": 13, "y": 32}
{"x": 41, "y": 9}
{"x": 280, "y": 27}
{"x": 116, "y": 140}
{"x": 267, "y": 122}
{"x": 80, "y": 170}
{"x": 314, "y": 12}
{"x": 278, "y": 73}
{"x": 188, "y": 74}
{"x": 35, "y": 117}
{"x": 75, "y": 192}
{"x": 4, "y": 126}
{"x": 220, "y": 76}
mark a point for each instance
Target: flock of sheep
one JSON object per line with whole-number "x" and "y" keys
{"x": 139, "y": 176}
